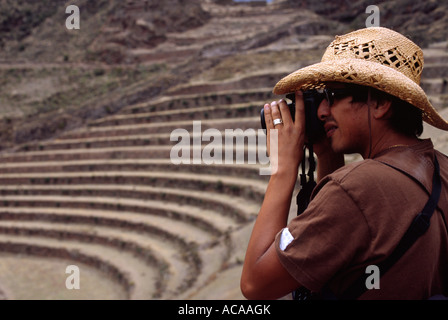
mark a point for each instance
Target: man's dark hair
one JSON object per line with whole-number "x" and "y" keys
{"x": 405, "y": 118}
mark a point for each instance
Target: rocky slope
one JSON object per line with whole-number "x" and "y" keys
{"x": 128, "y": 51}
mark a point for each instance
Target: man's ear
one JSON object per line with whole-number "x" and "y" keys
{"x": 382, "y": 109}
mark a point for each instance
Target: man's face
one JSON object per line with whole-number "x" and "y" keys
{"x": 346, "y": 123}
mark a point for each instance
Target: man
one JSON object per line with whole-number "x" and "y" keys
{"x": 358, "y": 213}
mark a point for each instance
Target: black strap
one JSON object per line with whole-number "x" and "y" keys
{"x": 303, "y": 198}
{"x": 417, "y": 228}
{"x": 307, "y": 182}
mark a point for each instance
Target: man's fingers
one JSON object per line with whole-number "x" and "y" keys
{"x": 268, "y": 117}
{"x": 299, "y": 120}
{"x": 286, "y": 114}
{"x": 276, "y": 115}
{"x": 269, "y": 125}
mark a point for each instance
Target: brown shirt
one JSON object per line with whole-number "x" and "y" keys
{"x": 357, "y": 216}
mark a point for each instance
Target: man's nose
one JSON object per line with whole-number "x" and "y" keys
{"x": 324, "y": 110}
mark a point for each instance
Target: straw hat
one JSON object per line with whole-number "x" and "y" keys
{"x": 377, "y": 57}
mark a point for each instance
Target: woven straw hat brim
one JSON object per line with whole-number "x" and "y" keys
{"x": 366, "y": 73}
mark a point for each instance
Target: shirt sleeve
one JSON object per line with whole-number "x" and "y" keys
{"x": 324, "y": 239}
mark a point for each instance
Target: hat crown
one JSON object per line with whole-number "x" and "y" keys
{"x": 379, "y": 45}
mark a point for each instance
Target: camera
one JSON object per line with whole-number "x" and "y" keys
{"x": 314, "y": 128}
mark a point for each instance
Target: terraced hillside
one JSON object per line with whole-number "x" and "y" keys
{"x": 108, "y": 198}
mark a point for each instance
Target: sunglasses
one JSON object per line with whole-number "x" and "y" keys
{"x": 328, "y": 94}
{"x": 331, "y": 94}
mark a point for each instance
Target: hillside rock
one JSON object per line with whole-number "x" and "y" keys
{"x": 130, "y": 51}
{"x": 424, "y": 22}
{"x": 108, "y": 28}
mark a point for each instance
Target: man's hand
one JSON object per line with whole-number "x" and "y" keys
{"x": 291, "y": 134}
{"x": 328, "y": 161}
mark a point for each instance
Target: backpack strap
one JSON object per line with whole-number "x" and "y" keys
{"x": 418, "y": 227}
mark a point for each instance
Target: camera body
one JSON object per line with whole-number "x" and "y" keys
{"x": 314, "y": 128}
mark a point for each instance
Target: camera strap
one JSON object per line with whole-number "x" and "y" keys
{"x": 307, "y": 182}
